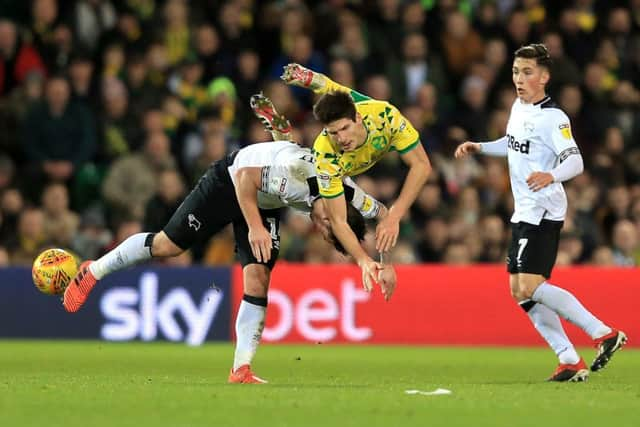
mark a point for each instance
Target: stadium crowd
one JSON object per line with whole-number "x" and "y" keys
{"x": 111, "y": 110}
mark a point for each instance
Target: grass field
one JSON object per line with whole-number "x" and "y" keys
{"x": 96, "y": 384}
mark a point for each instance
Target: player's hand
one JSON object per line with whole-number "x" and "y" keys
{"x": 539, "y": 180}
{"x": 466, "y": 148}
{"x": 261, "y": 244}
{"x": 387, "y": 233}
{"x": 297, "y": 75}
{"x": 387, "y": 280}
{"x": 370, "y": 270}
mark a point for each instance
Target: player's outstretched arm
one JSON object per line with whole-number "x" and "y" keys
{"x": 337, "y": 211}
{"x": 277, "y": 124}
{"x": 419, "y": 169}
{"x": 387, "y": 278}
{"x": 466, "y": 148}
{"x": 248, "y": 182}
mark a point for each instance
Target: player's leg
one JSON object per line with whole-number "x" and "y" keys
{"x": 253, "y": 308}
{"x": 537, "y": 264}
{"x": 570, "y": 366}
{"x": 250, "y": 322}
{"x": 200, "y": 215}
{"x": 276, "y": 123}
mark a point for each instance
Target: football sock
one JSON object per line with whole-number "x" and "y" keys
{"x": 249, "y": 326}
{"x": 133, "y": 250}
{"x": 547, "y": 323}
{"x": 568, "y": 306}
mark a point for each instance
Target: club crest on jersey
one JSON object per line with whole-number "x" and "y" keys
{"x": 522, "y": 147}
{"x": 529, "y": 127}
{"x": 194, "y": 222}
{"x": 565, "y": 130}
{"x": 379, "y": 142}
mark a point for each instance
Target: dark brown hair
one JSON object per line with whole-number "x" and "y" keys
{"x": 536, "y": 51}
{"x": 334, "y": 106}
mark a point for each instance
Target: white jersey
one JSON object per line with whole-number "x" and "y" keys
{"x": 538, "y": 139}
{"x": 289, "y": 178}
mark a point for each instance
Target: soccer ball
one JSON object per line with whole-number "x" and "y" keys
{"x": 52, "y": 271}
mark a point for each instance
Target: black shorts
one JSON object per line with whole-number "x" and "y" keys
{"x": 211, "y": 206}
{"x": 534, "y": 248}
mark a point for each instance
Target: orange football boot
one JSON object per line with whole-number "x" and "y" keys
{"x": 79, "y": 289}
{"x": 243, "y": 375}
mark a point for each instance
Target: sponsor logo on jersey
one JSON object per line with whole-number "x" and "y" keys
{"x": 403, "y": 126}
{"x": 565, "y": 130}
{"x": 324, "y": 181}
{"x": 522, "y": 147}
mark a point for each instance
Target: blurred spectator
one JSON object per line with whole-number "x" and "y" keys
{"x": 131, "y": 180}
{"x": 51, "y": 34}
{"x": 91, "y": 18}
{"x": 170, "y": 193}
{"x": 416, "y": 67}
{"x": 60, "y": 223}
{"x": 92, "y": 235}
{"x": 11, "y": 206}
{"x": 118, "y": 130}
{"x": 17, "y": 58}
{"x": 175, "y": 32}
{"x": 59, "y": 136}
{"x": 30, "y": 238}
{"x": 461, "y": 45}
{"x": 625, "y": 244}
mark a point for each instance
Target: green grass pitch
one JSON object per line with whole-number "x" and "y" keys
{"x": 95, "y": 384}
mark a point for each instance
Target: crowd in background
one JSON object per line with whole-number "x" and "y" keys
{"x": 111, "y": 110}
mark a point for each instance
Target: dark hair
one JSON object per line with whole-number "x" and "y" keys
{"x": 334, "y": 106}
{"x": 536, "y": 51}
{"x": 357, "y": 224}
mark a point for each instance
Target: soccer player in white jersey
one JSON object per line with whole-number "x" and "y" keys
{"x": 249, "y": 189}
{"x": 542, "y": 154}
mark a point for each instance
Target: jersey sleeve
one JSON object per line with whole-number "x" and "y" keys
{"x": 328, "y": 171}
{"x": 363, "y": 202}
{"x": 561, "y": 139}
{"x": 404, "y": 137}
{"x": 331, "y": 86}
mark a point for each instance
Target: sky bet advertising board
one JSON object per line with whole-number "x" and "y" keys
{"x": 189, "y": 305}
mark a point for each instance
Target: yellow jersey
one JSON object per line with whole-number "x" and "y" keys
{"x": 387, "y": 130}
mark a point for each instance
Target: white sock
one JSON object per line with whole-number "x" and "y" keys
{"x": 568, "y": 306}
{"x": 547, "y": 323}
{"x": 249, "y": 326}
{"x": 133, "y": 250}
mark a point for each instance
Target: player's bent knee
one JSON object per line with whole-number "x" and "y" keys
{"x": 163, "y": 246}
{"x": 256, "y": 279}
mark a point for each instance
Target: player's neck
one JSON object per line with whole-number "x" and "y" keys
{"x": 535, "y": 99}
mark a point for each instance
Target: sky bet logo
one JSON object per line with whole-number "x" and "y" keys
{"x": 522, "y": 147}
{"x": 141, "y": 313}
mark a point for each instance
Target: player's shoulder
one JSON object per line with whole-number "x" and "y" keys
{"x": 551, "y": 109}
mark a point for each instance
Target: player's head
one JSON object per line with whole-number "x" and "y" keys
{"x": 337, "y": 112}
{"x": 321, "y": 222}
{"x": 531, "y": 72}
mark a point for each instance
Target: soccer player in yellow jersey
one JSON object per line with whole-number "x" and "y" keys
{"x": 359, "y": 131}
